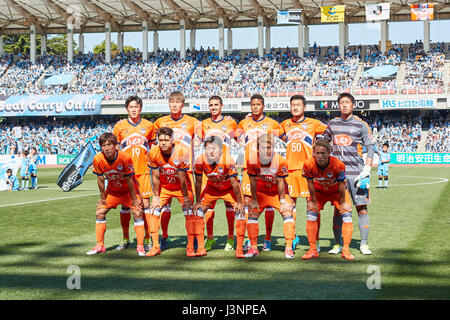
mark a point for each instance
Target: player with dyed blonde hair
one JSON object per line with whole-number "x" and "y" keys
{"x": 267, "y": 171}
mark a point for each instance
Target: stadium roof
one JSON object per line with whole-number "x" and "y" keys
{"x": 52, "y": 16}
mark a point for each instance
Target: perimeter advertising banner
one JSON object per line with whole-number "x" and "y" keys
{"x": 413, "y": 103}
{"x": 332, "y": 14}
{"x": 420, "y": 158}
{"x": 51, "y": 105}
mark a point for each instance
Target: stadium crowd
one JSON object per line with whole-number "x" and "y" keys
{"x": 203, "y": 74}
{"x": 60, "y": 136}
{"x": 438, "y": 139}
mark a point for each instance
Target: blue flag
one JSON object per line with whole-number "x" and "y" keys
{"x": 73, "y": 173}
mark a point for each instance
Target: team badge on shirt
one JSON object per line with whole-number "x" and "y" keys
{"x": 119, "y": 167}
{"x": 264, "y": 126}
{"x": 330, "y": 175}
{"x": 220, "y": 170}
{"x": 142, "y": 131}
{"x": 305, "y": 126}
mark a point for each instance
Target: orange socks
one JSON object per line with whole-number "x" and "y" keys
{"x": 100, "y": 229}
{"x": 146, "y": 228}
{"x": 253, "y": 231}
{"x": 230, "y": 219}
{"x": 165, "y": 218}
{"x": 199, "y": 230}
{"x": 318, "y": 226}
{"x": 269, "y": 217}
{"x": 240, "y": 232}
{"x": 153, "y": 224}
{"x": 190, "y": 230}
{"x": 125, "y": 217}
{"x": 209, "y": 219}
{"x": 312, "y": 228}
{"x": 289, "y": 230}
{"x": 140, "y": 231}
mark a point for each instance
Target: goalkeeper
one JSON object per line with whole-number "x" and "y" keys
{"x": 349, "y": 135}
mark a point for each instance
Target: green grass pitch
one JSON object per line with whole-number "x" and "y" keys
{"x": 45, "y": 231}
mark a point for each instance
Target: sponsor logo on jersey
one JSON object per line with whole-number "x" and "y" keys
{"x": 343, "y": 140}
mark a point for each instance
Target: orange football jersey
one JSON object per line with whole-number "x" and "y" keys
{"x": 170, "y": 166}
{"x": 184, "y": 130}
{"x": 252, "y": 129}
{"x": 325, "y": 179}
{"x": 300, "y": 137}
{"x": 136, "y": 140}
{"x": 115, "y": 172}
{"x": 218, "y": 176}
{"x": 267, "y": 174}
{"x": 224, "y": 129}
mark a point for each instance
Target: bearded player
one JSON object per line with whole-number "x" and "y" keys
{"x": 170, "y": 162}
{"x": 224, "y": 128}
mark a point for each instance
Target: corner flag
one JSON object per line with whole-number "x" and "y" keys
{"x": 73, "y": 173}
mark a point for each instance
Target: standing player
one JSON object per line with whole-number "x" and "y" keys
{"x": 219, "y": 167}
{"x": 12, "y": 181}
{"x": 186, "y": 130}
{"x": 117, "y": 167}
{"x": 24, "y": 169}
{"x": 249, "y": 130}
{"x": 32, "y": 170}
{"x": 169, "y": 163}
{"x": 383, "y": 166}
{"x": 326, "y": 182}
{"x": 267, "y": 171}
{"x": 349, "y": 135}
{"x": 225, "y": 129}
{"x": 135, "y": 136}
{"x": 300, "y": 134}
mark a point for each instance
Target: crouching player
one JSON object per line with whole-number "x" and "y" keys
{"x": 117, "y": 167}
{"x": 326, "y": 182}
{"x": 267, "y": 171}
{"x": 12, "y": 181}
{"x": 170, "y": 162}
{"x": 219, "y": 167}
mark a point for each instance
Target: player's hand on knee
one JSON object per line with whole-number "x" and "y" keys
{"x": 137, "y": 203}
{"x": 312, "y": 206}
{"x": 101, "y": 203}
{"x": 345, "y": 207}
{"x": 239, "y": 210}
{"x": 253, "y": 206}
{"x": 285, "y": 207}
{"x": 187, "y": 204}
{"x": 198, "y": 206}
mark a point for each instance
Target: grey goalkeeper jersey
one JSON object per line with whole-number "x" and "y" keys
{"x": 348, "y": 138}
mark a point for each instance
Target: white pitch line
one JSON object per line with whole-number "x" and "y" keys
{"x": 45, "y": 200}
{"x": 441, "y": 180}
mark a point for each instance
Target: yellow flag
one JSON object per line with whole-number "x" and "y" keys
{"x": 332, "y": 14}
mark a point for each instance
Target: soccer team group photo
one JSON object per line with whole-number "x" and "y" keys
{"x": 224, "y": 150}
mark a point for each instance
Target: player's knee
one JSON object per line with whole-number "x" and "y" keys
{"x": 347, "y": 217}
{"x": 136, "y": 214}
{"x": 311, "y": 216}
{"x": 100, "y": 214}
{"x": 362, "y": 210}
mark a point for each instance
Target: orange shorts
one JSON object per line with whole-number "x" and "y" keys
{"x": 271, "y": 200}
{"x": 246, "y": 184}
{"x": 115, "y": 198}
{"x": 167, "y": 195}
{"x": 298, "y": 186}
{"x": 334, "y": 198}
{"x": 145, "y": 187}
{"x": 211, "y": 195}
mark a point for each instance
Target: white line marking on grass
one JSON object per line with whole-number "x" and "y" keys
{"x": 441, "y": 180}
{"x": 45, "y": 200}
